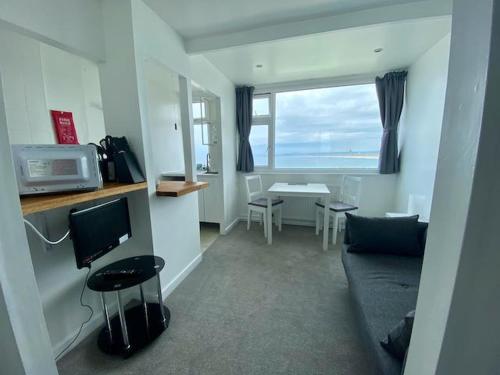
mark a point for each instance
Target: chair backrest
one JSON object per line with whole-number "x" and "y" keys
{"x": 334, "y": 191}
{"x": 351, "y": 190}
{"x": 253, "y": 185}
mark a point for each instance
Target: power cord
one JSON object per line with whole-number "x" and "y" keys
{"x": 85, "y": 322}
{"x": 43, "y": 237}
{"x": 37, "y": 232}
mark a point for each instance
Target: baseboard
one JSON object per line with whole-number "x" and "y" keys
{"x": 289, "y": 221}
{"x": 292, "y": 221}
{"x": 230, "y": 227}
{"x": 169, "y": 288}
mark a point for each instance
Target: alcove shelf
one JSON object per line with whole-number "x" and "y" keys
{"x": 40, "y": 203}
{"x": 178, "y": 188}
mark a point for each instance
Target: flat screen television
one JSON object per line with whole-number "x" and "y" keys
{"x": 97, "y": 230}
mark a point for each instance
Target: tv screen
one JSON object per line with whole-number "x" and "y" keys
{"x": 97, "y": 230}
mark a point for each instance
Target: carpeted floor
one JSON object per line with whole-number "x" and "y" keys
{"x": 250, "y": 308}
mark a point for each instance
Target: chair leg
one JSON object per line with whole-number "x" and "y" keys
{"x": 335, "y": 228}
{"x": 260, "y": 218}
{"x": 317, "y": 220}
{"x": 265, "y": 225}
{"x": 249, "y": 219}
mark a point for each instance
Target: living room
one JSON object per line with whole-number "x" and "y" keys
{"x": 379, "y": 115}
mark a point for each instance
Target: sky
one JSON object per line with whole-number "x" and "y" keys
{"x": 325, "y": 121}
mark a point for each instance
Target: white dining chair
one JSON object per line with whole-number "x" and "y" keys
{"x": 348, "y": 201}
{"x": 257, "y": 203}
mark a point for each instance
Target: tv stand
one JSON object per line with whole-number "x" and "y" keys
{"x": 132, "y": 329}
{"x": 139, "y": 334}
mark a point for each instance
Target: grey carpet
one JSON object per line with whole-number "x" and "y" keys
{"x": 250, "y": 308}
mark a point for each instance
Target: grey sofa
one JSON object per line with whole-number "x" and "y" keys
{"x": 384, "y": 289}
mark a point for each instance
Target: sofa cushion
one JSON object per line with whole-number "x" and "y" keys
{"x": 384, "y": 235}
{"x": 398, "y": 339}
{"x": 384, "y": 288}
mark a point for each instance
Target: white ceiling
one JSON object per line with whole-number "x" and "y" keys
{"x": 197, "y": 18}
{"x": 333, "y": 54}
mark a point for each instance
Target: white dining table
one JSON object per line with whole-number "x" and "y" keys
{"x": 280, "y": 189}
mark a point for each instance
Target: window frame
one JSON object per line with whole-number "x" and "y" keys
{"x": 271, "y": 91}
{"x": 203, "y": 119}
{"x": 266, "y": 120}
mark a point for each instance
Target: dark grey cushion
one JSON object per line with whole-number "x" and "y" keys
{"x": 262, "y": 202}
{"x": 398, "y": 339}
{"x": 422, "y": 235}
{"x": 338, "y": 206}
{"x": 384, "y": 235}
{"x": 384, "y": 288}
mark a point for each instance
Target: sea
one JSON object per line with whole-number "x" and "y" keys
{"x": 305, "y": 158}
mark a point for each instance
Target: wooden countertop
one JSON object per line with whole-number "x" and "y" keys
{"x": 178, "y": 188}
{"x": 40, "y": 203}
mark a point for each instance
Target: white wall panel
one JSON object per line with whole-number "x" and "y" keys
{"x": 420, "y": 126}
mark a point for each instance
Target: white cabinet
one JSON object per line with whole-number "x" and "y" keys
{"x": 209, "y": 200}
{"x": 201, "y": 203}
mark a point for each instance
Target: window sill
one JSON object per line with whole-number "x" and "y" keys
{"x": 316, "y": 171}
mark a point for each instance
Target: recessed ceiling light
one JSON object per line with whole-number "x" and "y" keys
{"x": 378, "y": 50}
{"x": 258, "y": 66}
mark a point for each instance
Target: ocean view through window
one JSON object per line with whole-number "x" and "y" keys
{"x": 325, "y": 128}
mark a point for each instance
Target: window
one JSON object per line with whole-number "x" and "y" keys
{"x": 259, "y": 140}
{"x": 198, "y": 111}
{"x": 200, "y": 149}
{"x": 327, "y": 128}
{"x": 261, "y": 106}
{"x": 259, "y": 133}
{"x": 200, "y": 134}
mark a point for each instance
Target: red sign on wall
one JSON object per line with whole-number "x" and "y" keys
{"x": 65, "y": 127}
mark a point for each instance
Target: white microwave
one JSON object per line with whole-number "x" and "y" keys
{"x": 56, "y": 168}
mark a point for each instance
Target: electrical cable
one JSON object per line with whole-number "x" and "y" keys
{"x": 37, "y": 232}
{"x": 85, "y": 322}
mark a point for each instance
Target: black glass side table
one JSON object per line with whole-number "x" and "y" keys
{"x": 136, "y": 327}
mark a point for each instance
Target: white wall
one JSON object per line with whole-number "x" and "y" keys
{"x": 74, "y": 25}
{"x": 163, "y": 107}
{"x": 420, "y": 125}
{"x": 174, "y": 221}
{"x": 39, "y": 78}
{"x": 205, "y": 74}
{"x": 13, "y": 363}
{"x": 25, "y": 103}
{"x": 72, "y": 84}
{"x": 456, "y": 324}
{"x": 25, "y": 341}
{"x": 377, "y": 194}
{"x": 475, "y": 304}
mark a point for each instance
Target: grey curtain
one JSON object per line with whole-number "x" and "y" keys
{"x": 390, "y": 92}
{"x": 244, "y": 111}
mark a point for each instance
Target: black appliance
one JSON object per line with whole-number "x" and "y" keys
{"x": 97, "y": 230}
